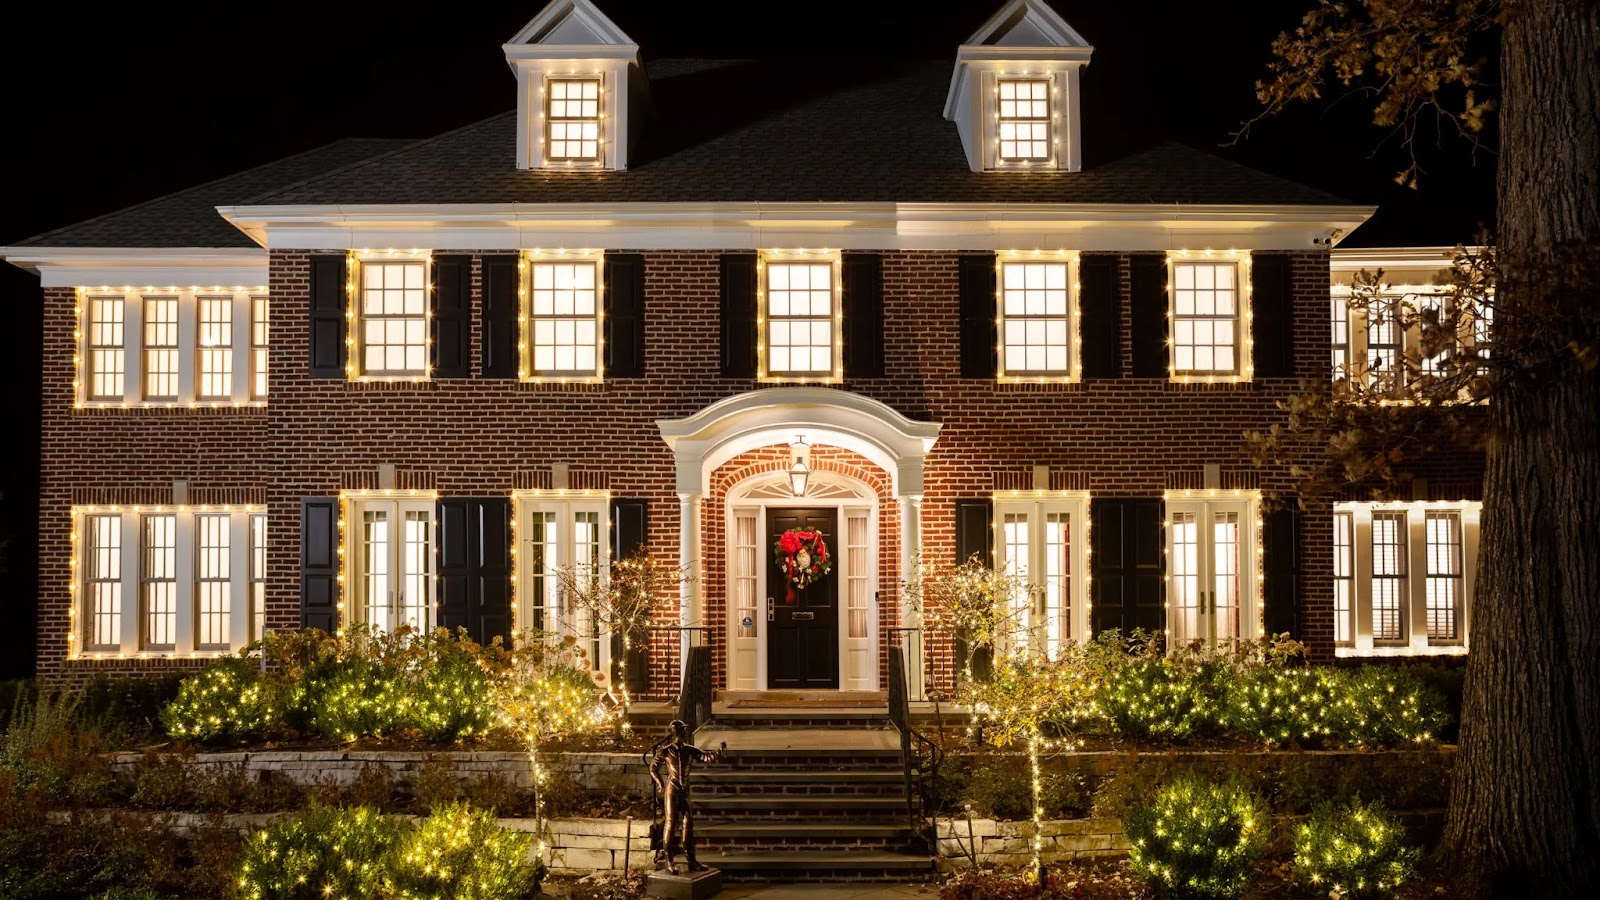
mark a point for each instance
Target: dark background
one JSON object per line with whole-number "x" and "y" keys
{"x": 130, "y": 101}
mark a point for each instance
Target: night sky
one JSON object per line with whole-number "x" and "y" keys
{"x": 110, "y": 108}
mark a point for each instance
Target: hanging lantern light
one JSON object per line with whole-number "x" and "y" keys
{"x": 799, "y": 473}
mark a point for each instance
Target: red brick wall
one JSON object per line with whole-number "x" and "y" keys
{"x": 483, "y": 436}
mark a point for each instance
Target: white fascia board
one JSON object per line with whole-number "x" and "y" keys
{"x": 519, "y": 52}
{"x": 754, "y": 225}
{"x": 1022, "y": 55}
{"x": 1369, "y": 258}
{"x": 182, "y": 266}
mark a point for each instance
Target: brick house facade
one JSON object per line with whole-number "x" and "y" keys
{"x": 697, "y": 451}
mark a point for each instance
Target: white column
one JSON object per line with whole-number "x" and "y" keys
{"x": 689, "y": 560}
{"x": 910, "y": 547}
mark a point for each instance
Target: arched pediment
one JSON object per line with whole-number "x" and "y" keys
{"x": 705, "y": 440}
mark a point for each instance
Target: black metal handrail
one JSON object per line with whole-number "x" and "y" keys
{"x": 694, "y": 702}
{"x": 912, "y": 741}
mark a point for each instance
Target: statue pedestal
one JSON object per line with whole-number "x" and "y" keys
{"x": 688, "y": 886}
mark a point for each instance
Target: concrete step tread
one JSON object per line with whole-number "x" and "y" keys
{"x": 803, "y": 828}
{"x": 790, "y": 801}
{"x": 817, "y": 859}
{"x": 711, "y": 776}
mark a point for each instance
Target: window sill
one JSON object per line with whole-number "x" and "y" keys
{"x": 562, "y": 385}
{"x": 391, "y": 384}
{"x": 1021, "y": 385}
{"x": 207, "y": 407}
{"x": 799, "y": 380}
{"x": 1375, "y": 652}
{"x": 1209, "y": 383}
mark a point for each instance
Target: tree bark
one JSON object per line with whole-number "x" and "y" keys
{"x": 1524, "y": 815}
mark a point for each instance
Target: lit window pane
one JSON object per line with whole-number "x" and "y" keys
{"x": 214, "y": 371}
{"x": 161, "y": 348}
{"x": 258, "y": 347}
{"x": 1388, "y": 576}
{"x": 214, "y": 580}
{"x": 394, "y": 310}
{"x": 564, "y": 306}
{"x": 102, "y": 564}
{"x": 572, "y": 120}
{"x": 1023, "y": 117}
{"x": 1205, "y": 315}
{"x": 799, "y": 338}
{"x": 158, "y": 581}
{"x": 1034, "y": 306}
{"x": 1444, "y": 584}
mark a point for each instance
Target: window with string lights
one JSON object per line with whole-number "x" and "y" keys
{"x": 171, "y": 346}
{"x": 1403, "y": 577}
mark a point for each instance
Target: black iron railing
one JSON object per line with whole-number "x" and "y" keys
{"x": 917, "y": 753}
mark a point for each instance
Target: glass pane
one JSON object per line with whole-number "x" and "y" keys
{"x": 213, "y": 568}
{"x": 376, "y": 585}
{"x": 1185, "y": 581}
{"x": 1444, "y": 576}
{"x": 159, "y": 574}
{"x": 1343, "y": 576}
{"x": 1058, "y": 577}
{"x": 856, "y": 545}
{"x": 416, "y": 559}
{"x": 746, "y": 607}
{"x": 1225, "y": 575}
{"x": 1388, "y": 575}
{"x": 103, "y": 569}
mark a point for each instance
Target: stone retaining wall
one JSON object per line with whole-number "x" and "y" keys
{"x": 1001, "y": 843}
{"x": 613, "y": 772}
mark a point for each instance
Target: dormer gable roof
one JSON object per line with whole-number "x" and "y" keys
{"x": 567, "y": 28}
{"x": 1026, "y": 23}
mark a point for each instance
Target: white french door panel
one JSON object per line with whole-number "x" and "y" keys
{"x": 1211, "y": 583}
{"x": 1043, "y": 542}
{"x": 746, "y": 609}
{"x": 858, "y": 623}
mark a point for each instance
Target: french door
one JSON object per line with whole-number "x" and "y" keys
{"x": 394, "y": 563}
{"x": 1210, "y": 571}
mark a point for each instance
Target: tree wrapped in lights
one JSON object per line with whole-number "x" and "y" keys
{"x": 546, "y": 693}
{"x": 1034, "y": 703}
{"x": 1198, "y": 837}
{"x": 622, "y": 601}
{"x": 982, "y": 606}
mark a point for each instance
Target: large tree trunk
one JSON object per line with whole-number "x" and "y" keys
{"x": 1525, "y": 808}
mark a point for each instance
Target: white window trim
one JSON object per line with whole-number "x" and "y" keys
{"x": 990, "y": 118}
{"x": 565, "y": 504}
{"x": 355, "y": 357}
{"x": 1074, "y": 371}
{"x": 610, "y": 99}
{"x": 602, "y": 107}
{"x": 1244, "y": 349}
{"x": 1250, "y": 554}
{"x": 1356, "y": 345}
{"x": 525, "y": 317}
{"x": 763, "y": 258}
{"x": 188, "y": 347}
{"x": 132, "y": 618}
{"x": 354, "y": 602}
{"x": 1036, "y": 505}
{"x": 1414, "y": 640}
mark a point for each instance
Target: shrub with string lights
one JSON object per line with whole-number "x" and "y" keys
{"x": 452, "y": 687}
{"x": 1377, "y": 706}
{"x": 1282, "y": 706}
{"x": 230, "y": 700}
{"x": 1356, "y": 850}
{"x": 320, "y": 852}
{"x": 1198, "y": 837}
{"x": 461, "y": 853}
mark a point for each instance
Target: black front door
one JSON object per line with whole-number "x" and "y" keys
{"x": 803, "y": 637}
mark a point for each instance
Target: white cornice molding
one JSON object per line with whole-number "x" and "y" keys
{"x": 1357, "y": 258}
{"x": 566, "y": 52}
{"x": 86, "y": 266}
{"x": 757, "y": 225}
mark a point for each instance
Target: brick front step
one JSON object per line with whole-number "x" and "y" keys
{"x": 812, "y": 865}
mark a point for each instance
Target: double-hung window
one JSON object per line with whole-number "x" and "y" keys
{"x": 1042, "y": 542}
{"x": 1210, "y": 317}
{"x": 573, "y": 120}
{"x": 1391, "y": 344}
{"x": 1023, "y": 120}
{"x": 1038, "y": 318}
{"x": 1211, "y": 569}
{"x": 393, "y": 306}
{"x": 171, "y": 347}
{"x": 561, "y": 539}
{"x": 167, "y": 581}
{"x": 797, "y": 297}
{"x": 392, "y": 565}
{"x": 564, "y": 303}
{"x": 1403, "y": 577}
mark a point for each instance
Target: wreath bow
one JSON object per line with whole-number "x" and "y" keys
{"x": 803, "y": 557}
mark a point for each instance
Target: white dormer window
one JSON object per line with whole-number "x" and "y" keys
{"x": 1015, "y": 97}
{"x": 572, "y": 66}
{"x": 572, "y": 120}
{"x": 1023, "y": 119}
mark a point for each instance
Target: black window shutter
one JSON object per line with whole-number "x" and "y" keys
{"x": 1126, "y": 554}
{"x": 738, "y": 315}
{"x": 1272, "y": 312}
{"x": 980, "y": 357}
{"x": 1099, "y": 316}
{"x": 1148, "y": 302}
{"x": 862, "y": 305}
{"x": 975, "y": 530}
{"x": 1280, "y": 570}
{"x": 452, "y": 316}
{"x": 500, "y": 312}
{"x": 629, "y": 521}
{"x": 319, "y": 563}
{"x": 328, "y": 279}
{"x": 474, "y": 566}
{"x": 624, "y": 281}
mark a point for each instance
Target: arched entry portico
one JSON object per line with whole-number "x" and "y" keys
{"x": 721, "y": 431}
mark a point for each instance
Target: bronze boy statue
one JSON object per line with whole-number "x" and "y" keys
{"x": 670, "y": 760}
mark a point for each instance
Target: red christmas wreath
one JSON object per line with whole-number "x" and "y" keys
{"x": 803, "y": 557}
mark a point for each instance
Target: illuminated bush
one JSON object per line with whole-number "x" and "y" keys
{"x": 229, "y": 700}
{"x": 459, "y": 853}
{"x": 1376, "y": 706}
{"x": 451, "y": 695}
{"x": 321, "y": 852}
{"x": 1160, "y": 698}
{"x": 1280, "y": 705}
{"x": 352, "y": 695}
{"x": 1198, "y": 837}
{"x": 1356, "y": 850}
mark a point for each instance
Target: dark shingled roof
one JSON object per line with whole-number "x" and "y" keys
{"x": 779, "y": 131}
{"x": 189, "y": 217}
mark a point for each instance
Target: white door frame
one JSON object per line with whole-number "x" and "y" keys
{"x": 739, "y": 500}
